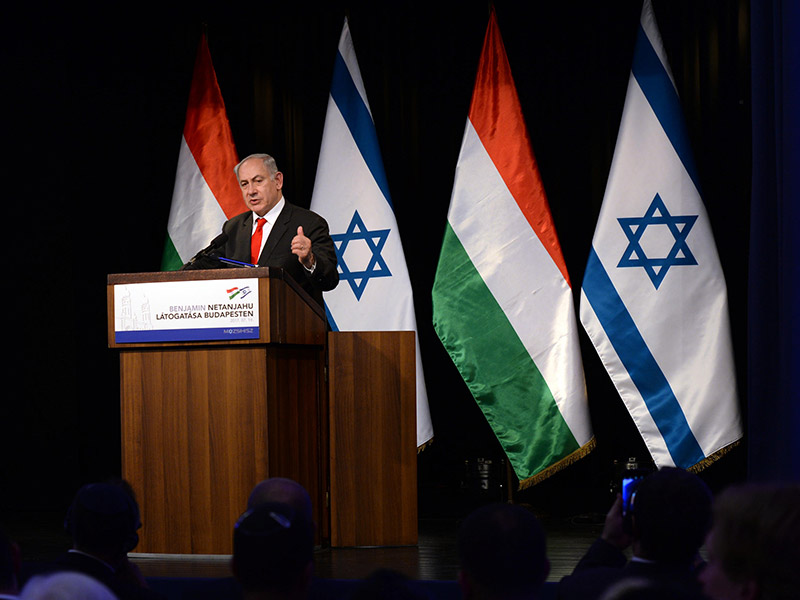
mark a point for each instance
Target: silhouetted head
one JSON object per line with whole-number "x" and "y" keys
{"x": 281, "y": 489}
{"x": 503, "y": 554}
{"x": 103, "y": 519}
{"x": 752, "y": 547}
{"x": 671, "y": 515}
{"x": 272, "y": 549}
{"x": 65, "y": 585}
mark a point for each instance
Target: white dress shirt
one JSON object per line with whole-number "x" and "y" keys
{"x": 271, "y": 217}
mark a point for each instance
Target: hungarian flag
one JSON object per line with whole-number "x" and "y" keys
{"x": 502, "y": 300}
{"x": 206, "y": 193}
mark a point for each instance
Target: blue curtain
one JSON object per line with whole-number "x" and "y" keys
{"x": 773, "y": 408}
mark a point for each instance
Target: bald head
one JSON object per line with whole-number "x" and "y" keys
{"x": 286, "y": 491}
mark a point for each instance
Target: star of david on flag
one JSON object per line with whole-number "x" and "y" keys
{"x": 635, "y": 228}
{"x": 665, "y": 339}
{"x": 374, "y": 241}
{"x": 352, "y": 194}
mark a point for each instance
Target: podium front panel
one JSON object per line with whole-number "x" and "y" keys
{"x": 202, "y": 426}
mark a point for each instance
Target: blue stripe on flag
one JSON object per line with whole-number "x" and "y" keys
{"x": 657, "y": 87}
{"x": 331, "y": 320}
{"x": 356, "y": 114}
{"x": 640, "y": 364}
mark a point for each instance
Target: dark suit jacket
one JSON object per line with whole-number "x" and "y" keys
{"x": 603, "y": 565}
{"x": 122, "y": 588}
{"x": 277, "y": 249}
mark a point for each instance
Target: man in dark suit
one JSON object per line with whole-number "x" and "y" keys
{"x": 670, "y": 518}
{"x": 103, "y": 521}
{"x": 289, "y": 237}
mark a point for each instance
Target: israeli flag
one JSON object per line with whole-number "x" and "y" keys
{"x": 352, "y": 194}
{"x": 654, "y": 300}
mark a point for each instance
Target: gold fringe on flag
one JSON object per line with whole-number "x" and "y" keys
{"x": 712, "y": 458}
{"x": 425, "y": 445}
{"x": 559, "y": 466}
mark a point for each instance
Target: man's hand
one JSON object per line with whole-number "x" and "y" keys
{"x": 301, "y": 247}
{"x": 613, "y": 530}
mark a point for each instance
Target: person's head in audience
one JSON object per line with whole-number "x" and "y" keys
{"x": 273, "y": 552}
{"x": 502, "y": 553}
{"x": 754, "y": 545}
{"x": 66, "y": 585}
{"x": 103, "y": 521}
{"x": 10, "y": 564}
{"x": 671, "y": 516}
{"x": 281, "y": 489}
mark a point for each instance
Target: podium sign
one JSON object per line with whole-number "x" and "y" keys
{"x": 181, "y": 311}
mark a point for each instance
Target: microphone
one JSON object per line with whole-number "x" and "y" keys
{"x": 202, "y": 260}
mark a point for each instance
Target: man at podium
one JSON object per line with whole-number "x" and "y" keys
{"x": 275, "y": 233}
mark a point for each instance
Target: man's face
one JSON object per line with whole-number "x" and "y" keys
{"x": 717, "y": 585}
{"x": 260, "y": 191}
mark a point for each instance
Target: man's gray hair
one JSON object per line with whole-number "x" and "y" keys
{"x": 269, "y": 164}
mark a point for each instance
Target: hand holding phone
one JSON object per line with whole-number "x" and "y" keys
{"x": 613, "y": 530}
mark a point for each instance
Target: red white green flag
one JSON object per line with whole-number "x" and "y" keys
{"x": 206, "y": 193}
{"x": 502, "y": 300}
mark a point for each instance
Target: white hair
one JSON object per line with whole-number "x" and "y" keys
{"x": 65, "y": 585}
{"x": 269, "y": 164}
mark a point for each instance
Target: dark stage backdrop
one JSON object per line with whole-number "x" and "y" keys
{"x": 773, "y": 333}
{"x": 92, "y": 134}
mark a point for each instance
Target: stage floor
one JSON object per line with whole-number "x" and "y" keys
{"x": 41, "y": 537}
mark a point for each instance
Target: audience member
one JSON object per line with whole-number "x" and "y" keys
{"x": 502, "y": 553}
{"x": 281, "y": 489}
{"x": 103, "y": 521}
{"x": 66, "y": 585}
{"x": 273, "y": 552}
{"x": 753, "y": 545}
{"x": 10, "y": 565}
{"x": 670, "y": 518}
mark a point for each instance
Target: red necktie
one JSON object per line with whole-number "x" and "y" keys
{"x": 255, "y": 241}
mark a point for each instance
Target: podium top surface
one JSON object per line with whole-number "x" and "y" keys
{"x": 224, "y": 273}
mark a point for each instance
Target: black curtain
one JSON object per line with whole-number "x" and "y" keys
{"x": 95, "y": 111}
{"x": 774, "y": 289}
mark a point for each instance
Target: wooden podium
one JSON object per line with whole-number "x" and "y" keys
{"x": 203, "y": 421}
{"x": 373, "y": 438}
